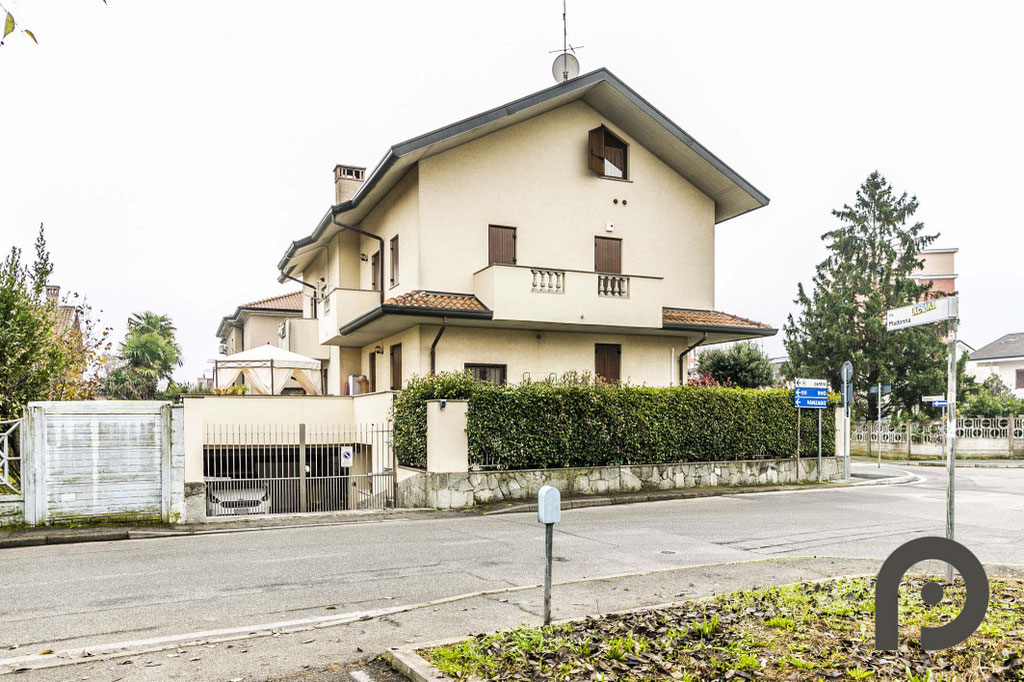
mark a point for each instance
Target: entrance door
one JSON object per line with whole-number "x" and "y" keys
{"x": 607, "y": 361}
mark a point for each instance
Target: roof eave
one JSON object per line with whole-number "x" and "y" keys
{"x": 721, "y": 329}
{"x": 388, "y": 309}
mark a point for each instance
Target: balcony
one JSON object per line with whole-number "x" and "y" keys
{"x": 341, "y": 306}
{"x": 552, "y": 295}
{"x": 301, "y": 335}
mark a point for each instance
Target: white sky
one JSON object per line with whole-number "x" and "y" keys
{"x": 174, "y": 149}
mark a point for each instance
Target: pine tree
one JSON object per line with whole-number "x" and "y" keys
{"x": 872, "y": 255}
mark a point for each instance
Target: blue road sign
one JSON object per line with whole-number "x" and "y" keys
{"x": 940, "y": 403}
{"x": 810, "y": 392}
{"x": 815, "y": 403}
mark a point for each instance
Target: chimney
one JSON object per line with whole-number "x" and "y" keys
{"x": 52, "y": 293}
{"x": 347, "y": 179}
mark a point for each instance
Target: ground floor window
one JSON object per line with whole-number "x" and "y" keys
{"x": 607, "y": 361}
{"x": 1020, "y": 378}
{"x": 495, "y": 374}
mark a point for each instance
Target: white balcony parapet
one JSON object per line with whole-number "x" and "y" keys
{"x": 548, "y": 281}
{"x": 616, "y": 286}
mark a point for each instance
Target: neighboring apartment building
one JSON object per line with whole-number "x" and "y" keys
{"x": 572, "y": 229}
{"x": 1004, "y": 358}
{"x": 939, "y": 268}
{"x": 258, "y": 323}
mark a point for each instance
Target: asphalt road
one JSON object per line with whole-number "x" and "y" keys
{"x": 81, "y": 596}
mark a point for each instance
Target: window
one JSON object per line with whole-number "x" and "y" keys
{"x": 394, "y": 260}
{"x": 372, "y": 369}
{"x": 608, "y": 154}
{"x": 501, "y": 245}
{"x": 607, "y": 361}
{"x": 396, "y": 367}
{"x": 494, "y": 374}
{"x": 375, "y": 269}
{"x": 324, "y": 298}
{"x": 1020, "y": 378}
{"x": 608, "y": 255}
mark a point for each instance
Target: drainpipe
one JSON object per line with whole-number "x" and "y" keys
{"x": 683, "y": 355}
{"x": 433, "y": 346}
{"x": 380, "y": 240}
{"x": 296, "y": 279}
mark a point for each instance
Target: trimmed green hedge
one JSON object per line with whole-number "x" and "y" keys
{"x": 573, "y": 422}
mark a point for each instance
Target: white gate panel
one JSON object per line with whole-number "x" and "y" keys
{"x": 93, "y": 460}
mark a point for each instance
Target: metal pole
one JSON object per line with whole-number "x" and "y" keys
{"x": 951, "y": 442}
{"x": 878, "y": 400}
{"x": 798, "y": 411}
{"x": 846, "y": 430}
{"x": 549, "y": 529}
{"x": 303, "y": 501}
{"x": 819, "y": 445}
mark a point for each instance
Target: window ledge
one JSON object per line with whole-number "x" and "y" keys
{"x": 612, "y": 177}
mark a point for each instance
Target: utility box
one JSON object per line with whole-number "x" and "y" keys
{"x": 549, "y": 505}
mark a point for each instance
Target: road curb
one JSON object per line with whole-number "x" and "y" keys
{"x": 413, "y": 666}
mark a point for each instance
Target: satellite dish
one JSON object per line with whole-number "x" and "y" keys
{"x": 565, "y": 67}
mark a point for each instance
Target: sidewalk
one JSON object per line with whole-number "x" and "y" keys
{"x": 960, "y": 463}
{"x": 57, "y": 535}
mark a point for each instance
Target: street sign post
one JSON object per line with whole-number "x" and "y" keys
{"x": 939, "y": 310}
{"x": 549, "y": 512}
{"x": 810, "y": 394}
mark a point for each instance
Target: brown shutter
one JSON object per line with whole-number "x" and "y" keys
{"x": 607, "y": 255}
{"x": 1020, "y": 378}
{"x": 396, "y": 367}
{"x": 373, "y": 371}
{"x": 394, "y": 260}
{"x": 375, "y": 268}
{"x": 596, "y": 160}
{"x": 607, "y": 359}
{"x": 501, "y": 245}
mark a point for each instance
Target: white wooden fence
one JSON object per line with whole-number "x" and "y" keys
{"x": 115, "y": 460}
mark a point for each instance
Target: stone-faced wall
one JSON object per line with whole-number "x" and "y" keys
{"x": 456, "y": 490}
{"x": 12, "y": 510}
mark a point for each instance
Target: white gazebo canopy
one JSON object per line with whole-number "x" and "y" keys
{"x": 267, "y": 370}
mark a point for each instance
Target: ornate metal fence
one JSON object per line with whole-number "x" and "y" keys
{"x": 10, "y": 457}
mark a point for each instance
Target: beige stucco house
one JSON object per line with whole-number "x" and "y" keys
{"x": 277, "y": 320}
{"x": 572, "y": 229}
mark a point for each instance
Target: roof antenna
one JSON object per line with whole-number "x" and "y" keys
{"x": 566, "y": 66}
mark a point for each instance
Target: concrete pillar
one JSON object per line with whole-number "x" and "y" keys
{"x": 447, "y": 441}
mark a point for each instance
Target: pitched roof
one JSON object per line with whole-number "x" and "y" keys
{"x": 711, "y": 320}
{"x": 290, "y": 301}
{"x": 438, "y": 300}
{"x": 601, "y": 90}
{"x": 67, "y": 318}
{"x": 1007, "y": 346}
{"x": 288, "y": 304}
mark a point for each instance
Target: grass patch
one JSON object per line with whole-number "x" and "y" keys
{"x": 809, "y": 631}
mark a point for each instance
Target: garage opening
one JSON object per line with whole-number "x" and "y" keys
{"x": 266, "y": 469}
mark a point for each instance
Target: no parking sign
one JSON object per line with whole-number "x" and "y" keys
{"x": 346, "y": 456}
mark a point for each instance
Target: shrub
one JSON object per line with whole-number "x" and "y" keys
{"x": 575, "y": 422}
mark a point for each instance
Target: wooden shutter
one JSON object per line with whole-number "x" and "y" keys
{"x": 596, "y": 155}
{"x": 607, "y": 359}
{"x": 396, "y": 367}
{"x": 375, "y": 267}
{"x": 501, "y": 245}
{"x": 1020, "y": 378}
{"x": 394, "y": 260}
{"x": 373, "y": 371}
{"x": 608, "y": 255}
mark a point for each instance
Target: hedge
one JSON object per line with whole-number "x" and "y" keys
{"x": 574, "y": 422}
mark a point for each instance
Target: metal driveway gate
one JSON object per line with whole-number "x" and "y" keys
{"x": 297, "y": 468}
{"x": 96, "y": 460}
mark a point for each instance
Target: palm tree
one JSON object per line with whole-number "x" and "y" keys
{"x": 148, "y": 354}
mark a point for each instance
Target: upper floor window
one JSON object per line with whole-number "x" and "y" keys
{"x": 375, "y": 275}
{"x": 501, "y": 245}
{"x": 394, "y": 260}
{"x": 608, "y": 154}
